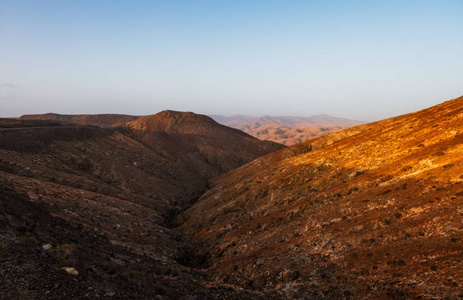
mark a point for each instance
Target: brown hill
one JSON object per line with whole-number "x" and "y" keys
{"x": 197, "y": 143}
{"x": 370, "y": 212}
{"x": 287, "y": 130}
{"x": 98, "y": 201}
{"x": 101, "y": 120}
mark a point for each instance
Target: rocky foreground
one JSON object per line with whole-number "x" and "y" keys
{"x": 88, "y": 212}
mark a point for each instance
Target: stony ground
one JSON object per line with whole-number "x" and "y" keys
{"x": 88, "y": 212}
{"x": 372, "y": 212}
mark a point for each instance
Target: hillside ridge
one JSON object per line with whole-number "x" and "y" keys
{"x": 101, "y": 120}
{"x": 372, "y": 211}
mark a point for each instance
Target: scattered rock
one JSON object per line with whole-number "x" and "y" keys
{"x": 47, "y": 247}
{"x": 70, "y": 270}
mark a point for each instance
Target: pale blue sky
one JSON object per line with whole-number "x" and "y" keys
{"x": 358, "y": 59}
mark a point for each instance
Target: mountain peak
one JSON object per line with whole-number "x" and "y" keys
{"x": 171, "y": 121}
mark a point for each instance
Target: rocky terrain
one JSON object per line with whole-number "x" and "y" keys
{"x": 287, "y": 130}
{"x": 371, "y": 212}
{"x": 197, "y": 143}
{"x": 89, "y": 211}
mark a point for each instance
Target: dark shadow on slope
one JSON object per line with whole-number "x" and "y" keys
{"x": 37, "y": 139}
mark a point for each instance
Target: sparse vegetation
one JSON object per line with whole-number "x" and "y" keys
{"x": 380, "y": 229}
{"x": 366, "y": 212}
{"x": 66, "y": 254}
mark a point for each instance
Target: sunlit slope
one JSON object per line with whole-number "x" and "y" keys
{"x": 373, "y": 211}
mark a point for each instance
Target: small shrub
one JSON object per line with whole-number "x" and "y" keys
{"x": 3, "y": 244}
{"x": 385, "y": 192}
{"x": 66, "y": 254}
{"x": 29, "y": 240}
{"x": 407, "y": 168}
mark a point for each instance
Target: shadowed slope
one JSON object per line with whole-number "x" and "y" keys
{"x": 97, "y": 185}
{"x": 197, "y": 143}
{"x": 372, "y": 211}
{"x": 19, "y": 123}
{"x": 101, "y": 120}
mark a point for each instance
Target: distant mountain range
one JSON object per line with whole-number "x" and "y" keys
{"x": 289, "y": 121}
{"x": 287, "y": 130}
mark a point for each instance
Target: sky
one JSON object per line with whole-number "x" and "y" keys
{"x": 364, "y": 60}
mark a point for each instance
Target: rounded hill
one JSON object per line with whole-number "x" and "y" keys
{"x": 197, "y": 142}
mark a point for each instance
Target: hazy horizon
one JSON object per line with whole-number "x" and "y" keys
{"x": 360, "y": 60}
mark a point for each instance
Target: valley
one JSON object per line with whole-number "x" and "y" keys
{"x": 231, "y": 150}
{"x": 177, "y": 206}
{"x": 102, "y": 203}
